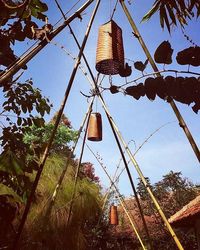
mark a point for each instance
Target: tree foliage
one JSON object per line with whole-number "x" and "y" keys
{"x": 17, "y": 25}
{"x": 22, "y": 104}
{"x": 172, "y": 193}
{"x": 173, "y": 12}
{"x": 20, "y": 101}
{"x": 42, "y": 226}
{"x": 38, "y": 137}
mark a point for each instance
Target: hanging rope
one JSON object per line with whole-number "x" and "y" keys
{"x": 60, "y": 112}
{"x": 114, "y": 9}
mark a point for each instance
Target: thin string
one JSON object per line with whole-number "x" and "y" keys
{"x": 96, "y": 104}
{"x": 114, "y": 9}
{"x": 64, "y": 16}
{"x": 78, "y": 168}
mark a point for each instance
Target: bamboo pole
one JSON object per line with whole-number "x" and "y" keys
{"x": 143, "y": 179}
{"x": 94, "y": 83}
{"x": 21, "y": 61}
{"x": 59, "y": 183}
{"x": 133, "y": 161}
{"x": 131, "y": 181}
{"x": 78, "y": 168}
{"x": 122, "y": 201}
{"x": 131, "y": 221}
{"x": 170, "y": 100}
{"x": 71, "y": 153}
{"x": 60, "y": 112}
{"x": 114, "y": 126}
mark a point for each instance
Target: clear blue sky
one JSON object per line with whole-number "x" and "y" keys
{"x": 168, "y": 149}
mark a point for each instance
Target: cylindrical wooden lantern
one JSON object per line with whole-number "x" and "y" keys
{"x": 110, "y": 51}
{"x": 95, "y": 127}
{"x": 113, "y": 215}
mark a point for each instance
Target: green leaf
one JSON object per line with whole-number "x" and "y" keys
{"x": 166, "y": 18}
{"x": 171, "y": 14}
{"x": 42, "y": 7}
{"x": 9, "y": 163}
{"x": 7, "y": 190}
{"x": 19, "y": 121}
{"x": 161, "y": 17}
{"x": 152, "y": 11}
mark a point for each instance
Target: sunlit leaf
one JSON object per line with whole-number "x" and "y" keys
{"x": 151, "y": 12}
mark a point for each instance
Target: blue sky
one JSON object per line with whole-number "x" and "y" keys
{"x": 166, "y": 150}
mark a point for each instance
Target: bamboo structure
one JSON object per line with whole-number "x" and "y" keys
{"x": 21, "y": 61}
{"x": 59, "y": 183}
{"x": 113, "y": 125}
{"x": 94, "y": 84}
{"x": 118, "y": 134}
{"x": 122, "y": 202}
{"x": 78, "y": 168}
{"x": 171, "y": 101}
{"x": 60, "y": 112}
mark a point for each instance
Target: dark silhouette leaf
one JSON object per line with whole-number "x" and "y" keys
{"x": 163, "y": 53}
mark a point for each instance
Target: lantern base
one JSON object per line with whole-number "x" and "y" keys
{"x": 109, "y": 67}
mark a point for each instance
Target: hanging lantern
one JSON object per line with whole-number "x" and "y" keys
{"x": 95, "y": 127}
{"x": 110, "y": 51}
{"x": 113, "y": 215}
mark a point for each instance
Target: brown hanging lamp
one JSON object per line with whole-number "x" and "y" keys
{"x": 110, "y": 51}
{"x": 113, "y": 215}
{"x": 95, "y": 127}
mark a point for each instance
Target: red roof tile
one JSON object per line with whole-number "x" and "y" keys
{"x": 187, "y": 213}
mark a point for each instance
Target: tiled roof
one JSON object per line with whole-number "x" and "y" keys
{"x": 187, "y": 213}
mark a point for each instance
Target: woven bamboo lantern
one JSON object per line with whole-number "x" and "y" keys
{"x": 95, "y": 127}
{"x": 110, "y": 51}
{"x": 113, "y": 215}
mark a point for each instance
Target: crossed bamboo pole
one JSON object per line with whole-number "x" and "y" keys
{"x": 78, "y": 168}
{"x": 58, "y": 118}
{"x": 122, "y": 201}
{"x": 94, "y": 85}
{"x": 182, "y": 123}
{"x": 61, "y": 178}
{"x": 21, "y": 61}
{"x": 132, "y": 158}
{"x": 119, "y": 138}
